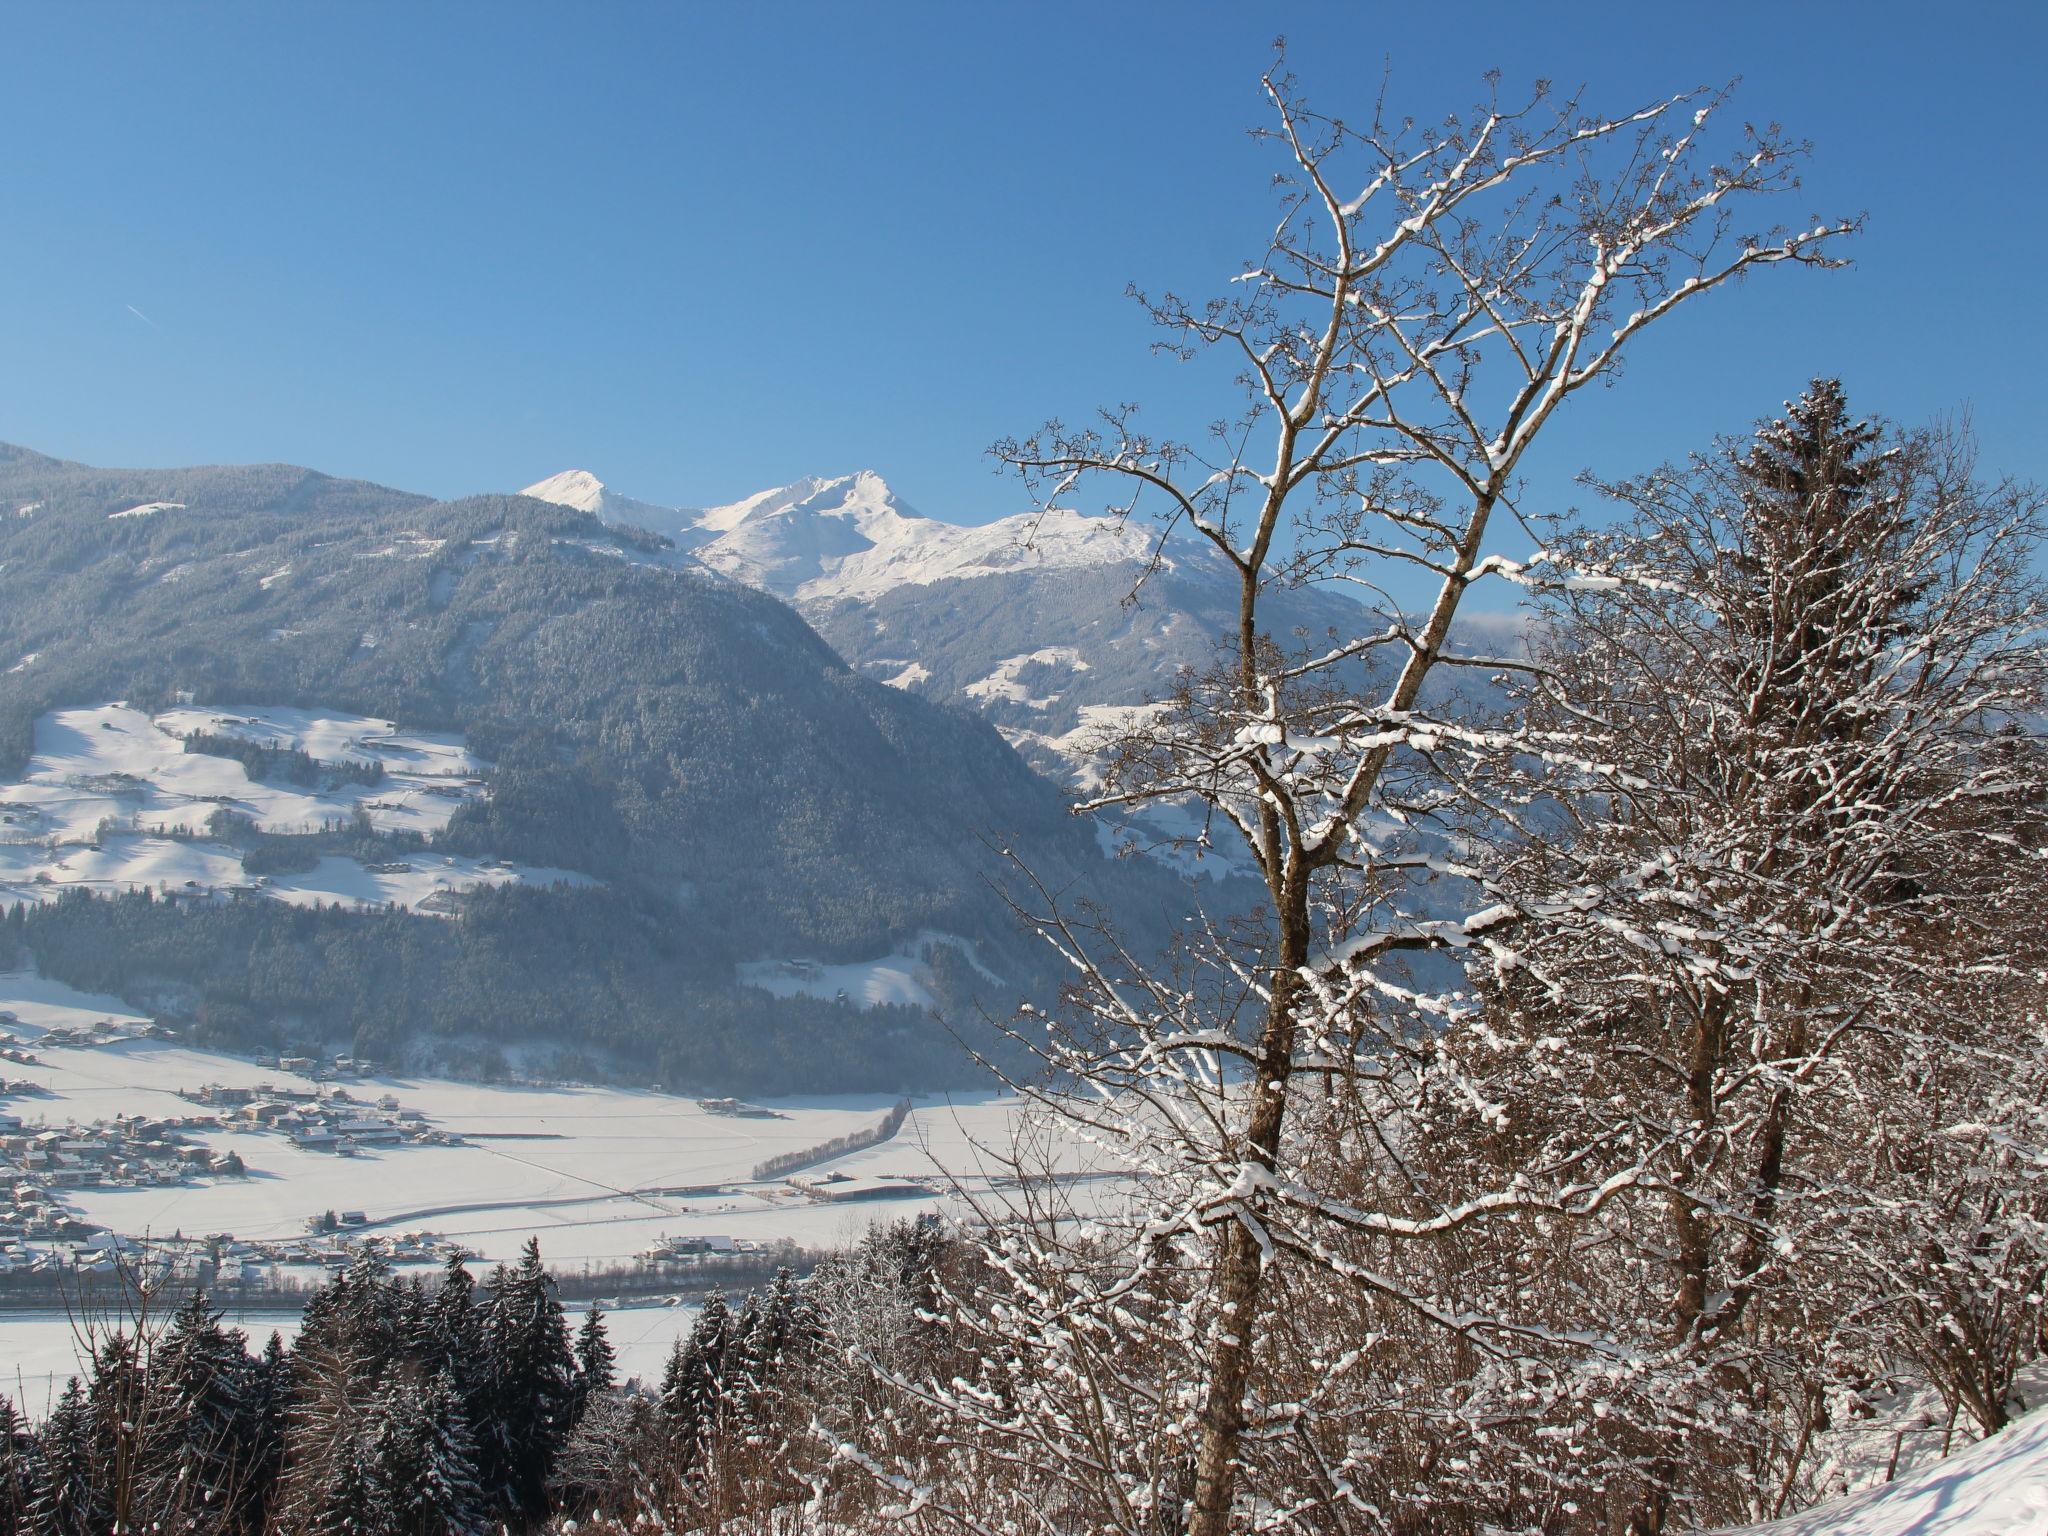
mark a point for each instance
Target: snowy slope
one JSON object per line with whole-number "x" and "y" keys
{"x": 112, "y": 801}
{"x": 580, "y": 489}
{"x": 1998, "y": 1487}
{"x": 1028, "y": 620}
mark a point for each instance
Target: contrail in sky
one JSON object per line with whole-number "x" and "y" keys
{"x": 138, "y": 314}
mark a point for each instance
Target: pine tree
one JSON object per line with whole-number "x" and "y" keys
{"x": 71, "y": 1500}
{"x": 1816, "y": 520}
{"x": 126, "y": 1436}
{"x": 425, "y": 1462}
{"x": 273, "y": 1393}
{"x": 19, "y": 1471}
{"x": 353, "y": 1501}
{"x": 532, "y": 1384}
{"x": 596, "y": 1362}
{"x": 693, "y": 1388}
{"x": 206, "y": 1396}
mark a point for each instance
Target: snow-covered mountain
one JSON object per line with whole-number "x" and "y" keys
{"x": 580, "y": 489}
{"x": 851, "y": 536}
{"x": 1024, "y": 618}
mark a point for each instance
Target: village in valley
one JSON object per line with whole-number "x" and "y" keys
{"x": 255, "y": 1178}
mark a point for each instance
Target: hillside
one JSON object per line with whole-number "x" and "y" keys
{"x": 733, "y": 793}
{"x": 1998, "y": 1487}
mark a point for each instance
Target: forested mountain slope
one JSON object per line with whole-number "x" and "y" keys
{"x": 739, "y": 792}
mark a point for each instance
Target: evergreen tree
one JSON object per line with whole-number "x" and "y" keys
{"x": 71, "y": 1500}
{"x": 425, "y": 1461}
{"x": 596, "y": 1363}
{"x": 270, "y": 1393}
{"x": 1817, "y": 517}
{"x": 531, "y": 1385}
{"x": 692, "y": 1391}
{"x": 352, "y": 1500}
{"x": 19, "y": 1471}
{"x": 205, "y": 1393}
{"x": 126, "y": 1437}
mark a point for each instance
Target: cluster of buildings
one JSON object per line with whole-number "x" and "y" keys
{"x": 695, "y": 1245}
{"x": 845, "y": 1188}
{"x": 739, "y": 1109}
{"x": 125, "y": 1153}
{"x": 319, "y": 1119}
{"x": 38, "y": 1231}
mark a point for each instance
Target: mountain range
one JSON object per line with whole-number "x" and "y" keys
{"x": 754, "y": 819}
{"x": 1051, "y": 624}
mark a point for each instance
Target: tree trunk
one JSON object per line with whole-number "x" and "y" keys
{"x": 1240, "y": 1278}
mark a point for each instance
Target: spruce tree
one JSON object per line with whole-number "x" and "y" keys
{"x": 693, "y": 1390}
{"x": 206, "y": 1395}
{"x": 71, "y": 1500}
{"x": 19, "y": 1471}
{"x": 425, "y": 1463}
{"x": 596, "y": 1362}
{"x": 353, "y": 1500}
{"x": 532, "y": 1383}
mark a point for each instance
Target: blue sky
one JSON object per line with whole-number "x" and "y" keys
{"x": 704, "y": 249}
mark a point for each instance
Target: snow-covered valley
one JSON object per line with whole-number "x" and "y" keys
{"x": 604, "y": 1177}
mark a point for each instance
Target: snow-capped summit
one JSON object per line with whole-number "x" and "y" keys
{"x": 851, "y": 536}
{"x": 580, "y": 489}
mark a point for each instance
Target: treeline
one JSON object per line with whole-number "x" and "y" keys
{"x": 838, "y": 1146}
{"x": 286, "y": 764}
{"x": 445, "y": 1408}
{"x": 614, "y": 984}
{"x": 691, "y": 739}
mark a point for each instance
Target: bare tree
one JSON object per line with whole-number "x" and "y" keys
{"x": 1430, "y": 299}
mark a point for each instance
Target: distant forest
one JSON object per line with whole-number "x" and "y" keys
{"x": 610, "y": 983}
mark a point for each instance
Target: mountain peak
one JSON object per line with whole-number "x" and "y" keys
{"x": 577, "y": 488}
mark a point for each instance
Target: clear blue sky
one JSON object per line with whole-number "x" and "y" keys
{"x": 701, "y": 249}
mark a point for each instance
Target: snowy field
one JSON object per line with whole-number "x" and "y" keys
{"x": 107, "y": 784}
{"x": 898, "y": 977}
{"x": 597, "y": 1173}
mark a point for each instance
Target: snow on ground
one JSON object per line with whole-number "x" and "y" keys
{"x": 406, "y": 546}
{"x": 599, "y": 1173}
{"x": 103, "y": 779}
{"x": 39, "y": 1004}
{"x": 1003, "y": 682}
{"x": 1998, "y": 1487}
{"x": 898, "y": 977}
{"x": 147, "y": 509}
{"x": 917, "y": 672}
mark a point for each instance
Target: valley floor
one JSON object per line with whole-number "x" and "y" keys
{"x": 605, "y": 1177}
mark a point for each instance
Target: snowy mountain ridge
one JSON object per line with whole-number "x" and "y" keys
{"x": 851, "y": 537}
